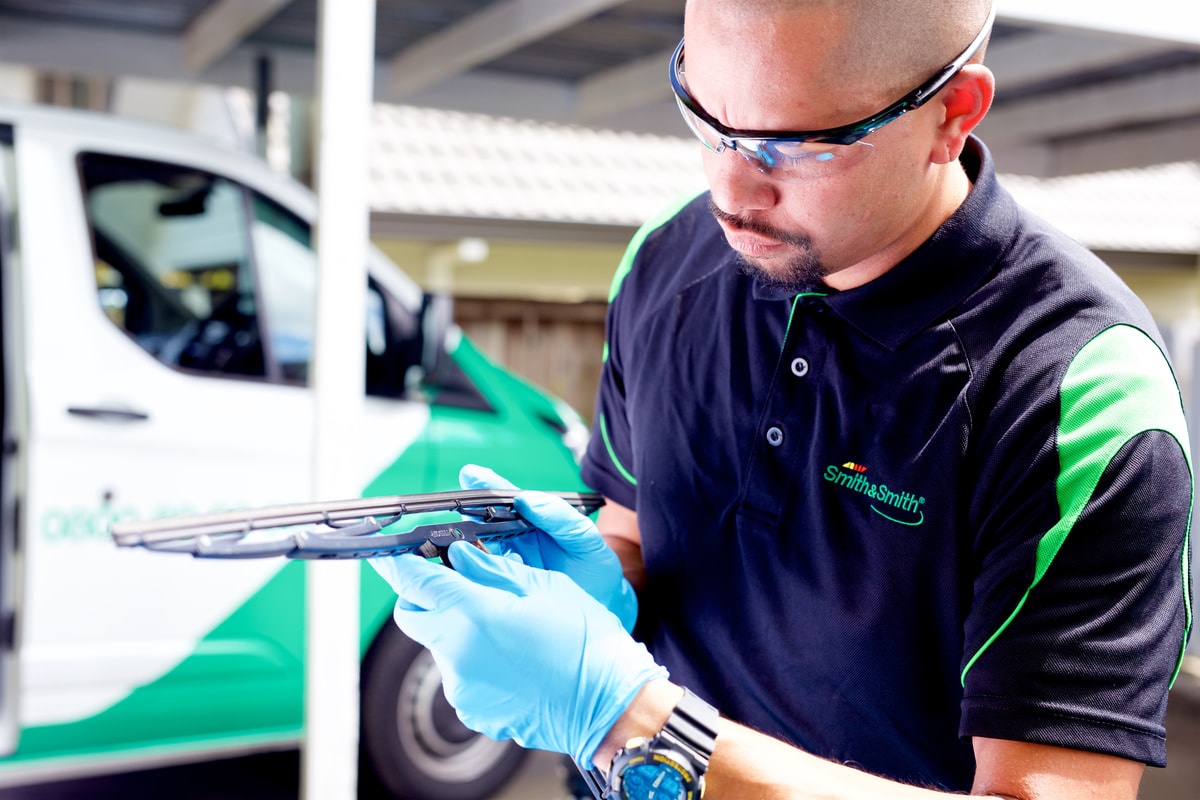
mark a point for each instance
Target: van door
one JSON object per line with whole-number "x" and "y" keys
{"x": 153, "y": 392}
{"x": 172, "y": 349}
{"x": 11, "y": 445}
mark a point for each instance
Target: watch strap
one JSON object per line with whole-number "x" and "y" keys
{"x": 693, "y": 724}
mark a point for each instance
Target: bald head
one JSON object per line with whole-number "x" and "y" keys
{"x": 884, "y": 47}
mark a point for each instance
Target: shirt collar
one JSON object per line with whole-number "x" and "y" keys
{"x": 943, "y": 271}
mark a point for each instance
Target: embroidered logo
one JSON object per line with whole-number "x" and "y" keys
{"x": 899, "y": 506}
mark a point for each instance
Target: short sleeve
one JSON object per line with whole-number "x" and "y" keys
{"x": 608, "y": 462}
{"x": 1077, "y": 628}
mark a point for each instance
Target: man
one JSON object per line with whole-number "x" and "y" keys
{"x": 899, "y": 471}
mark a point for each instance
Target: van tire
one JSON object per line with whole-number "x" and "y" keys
{"x": 412, "y": 744}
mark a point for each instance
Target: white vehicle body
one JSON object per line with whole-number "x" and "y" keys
{"x": 125, "y": 401}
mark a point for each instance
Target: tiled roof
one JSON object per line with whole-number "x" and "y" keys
{"x": 452, "y": 163}
{"x": 427, "y": 161}
{"x": 1155, "y": 210}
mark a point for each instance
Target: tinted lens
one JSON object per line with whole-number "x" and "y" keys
{"x": 801, "y": 161}
{"x": 784, "y": 160}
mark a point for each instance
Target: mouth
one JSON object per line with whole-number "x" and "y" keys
{"x": 750, "y": 243}
{"x": 754, "y": 239}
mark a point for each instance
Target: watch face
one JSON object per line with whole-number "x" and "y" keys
{"x": 653, "y": 781}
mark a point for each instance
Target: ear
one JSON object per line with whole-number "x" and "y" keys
{"x": 965, "y": 101}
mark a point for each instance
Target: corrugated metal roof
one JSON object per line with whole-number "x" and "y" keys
{"x": 427, "y": 161}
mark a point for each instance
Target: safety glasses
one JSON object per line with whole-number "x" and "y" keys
{"x": 808, "y": 155}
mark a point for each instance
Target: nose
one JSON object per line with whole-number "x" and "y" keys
{"x": 737, "y": 185}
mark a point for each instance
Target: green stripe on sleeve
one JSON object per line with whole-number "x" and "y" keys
{"x": 1118, "y": 386}
{"x": 635, "y": 244}
{"x": 626, "y": 474}
{"x": 648, "y": 227}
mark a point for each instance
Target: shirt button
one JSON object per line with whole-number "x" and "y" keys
{"x": 799, "y": 367}
{"x": 775, "y": 436}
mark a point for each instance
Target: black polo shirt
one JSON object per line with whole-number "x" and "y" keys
{"x": 952, "y": 502}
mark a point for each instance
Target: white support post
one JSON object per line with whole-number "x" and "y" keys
{"x": 345, "y": 63}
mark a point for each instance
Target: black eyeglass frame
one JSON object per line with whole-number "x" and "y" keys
{"x": 843, "y": 134}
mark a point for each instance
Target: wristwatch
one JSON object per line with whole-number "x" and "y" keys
{"x": 669, "y": 765}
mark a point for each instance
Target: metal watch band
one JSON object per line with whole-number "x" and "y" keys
{"x": 693, "y": 724}
{"x": 691, "y": 727}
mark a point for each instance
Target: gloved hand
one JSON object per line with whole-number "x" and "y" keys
{"x": 525, "y": 653}
{"x": 568, "y": 542}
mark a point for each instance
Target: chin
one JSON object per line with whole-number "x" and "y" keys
{"x": 802, "y": 273}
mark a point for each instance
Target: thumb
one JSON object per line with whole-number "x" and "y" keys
{"x": 562, "y": 521}
{"x": 494, "y": 572}
{"x": 427, "y": 585}
{"x": 434, "y": 602}
{"x": 473, "y": 476}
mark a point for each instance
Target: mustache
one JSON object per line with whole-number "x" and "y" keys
{"x": 752, "y": 225}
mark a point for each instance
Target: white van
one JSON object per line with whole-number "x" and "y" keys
{"x": 158, "y": 303}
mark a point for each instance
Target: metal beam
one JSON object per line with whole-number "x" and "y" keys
{"x": 633, "y": 85}
{"x": 220, "y": 27}
{"x": 1127, "y": 149}
{"x": 1044, "y": 56}
{"x": 57, "y": 47}
{"x": 1152, "y": 99}
{"x": 500, "y": 28}
{"x": 1175, "y": 21}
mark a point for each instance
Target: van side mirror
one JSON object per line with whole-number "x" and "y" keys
{"x": 439, "y": 378}
{"x": 437, "y": 314}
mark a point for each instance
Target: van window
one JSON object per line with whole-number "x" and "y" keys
{"x": 287, "y": 268}
{"x": 207, "y": 275}
{"x": 173, "y": 264}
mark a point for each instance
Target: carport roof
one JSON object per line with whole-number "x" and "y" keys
{"x": 1081, "y": 85}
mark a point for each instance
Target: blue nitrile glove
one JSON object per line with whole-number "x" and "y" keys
{"x": 525, "y": 653}
{"x": 568, "y": 542}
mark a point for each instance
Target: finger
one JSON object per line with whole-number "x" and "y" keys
{"x": 473, "y": 476}
{"x": 433, "y": 602}
{"x": 396, "y": 568}
{"x": 562, "y": 521}
{"x": 494, "y": 572}
{"x": 527, "y": 548}
{"x": 427, "y": 585}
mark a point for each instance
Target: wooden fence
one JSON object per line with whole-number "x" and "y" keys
{"x": 557, "y": 346}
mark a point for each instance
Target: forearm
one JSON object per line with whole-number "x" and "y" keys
{"x": 630, "y": 555}
{"x": 748, "y": 765}
{"x": 751, "y": 765}
{"x": 619, "y": 527}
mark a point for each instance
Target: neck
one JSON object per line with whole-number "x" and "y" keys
{"x": 950, "y": 187}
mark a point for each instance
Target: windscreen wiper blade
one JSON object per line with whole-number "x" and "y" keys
{"x": 342, "y": 528}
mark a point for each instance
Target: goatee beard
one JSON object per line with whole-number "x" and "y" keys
{"x": 805, "y": 271}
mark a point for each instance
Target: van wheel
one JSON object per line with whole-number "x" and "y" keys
{"x": 413, "y": 745}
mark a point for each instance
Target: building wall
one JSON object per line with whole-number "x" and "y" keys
{"x": 546, "y": 272}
